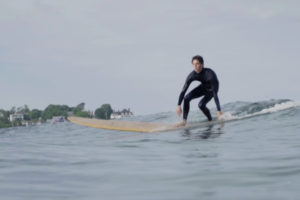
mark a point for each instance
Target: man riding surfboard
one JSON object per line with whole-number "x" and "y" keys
{"x": 208, "y": 88}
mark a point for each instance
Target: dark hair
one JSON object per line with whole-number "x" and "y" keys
{"x": 199, "y": 58}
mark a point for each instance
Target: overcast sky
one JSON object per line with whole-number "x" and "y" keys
{"x": 136, "y": 54}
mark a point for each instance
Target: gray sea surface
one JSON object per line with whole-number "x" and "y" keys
{"x": 255, "y": 156}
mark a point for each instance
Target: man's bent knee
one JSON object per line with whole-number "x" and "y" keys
{"x": 202, "y": 106}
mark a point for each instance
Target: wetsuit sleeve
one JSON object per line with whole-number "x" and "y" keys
{"x": 215, "y": 86}
{"x": 214, "y": 83}
{"x": 184, "y": 89}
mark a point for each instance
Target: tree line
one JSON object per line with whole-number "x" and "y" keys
{"x": 50, "y": 111}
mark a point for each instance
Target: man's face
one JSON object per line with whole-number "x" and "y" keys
{"x": 197, "y": 66}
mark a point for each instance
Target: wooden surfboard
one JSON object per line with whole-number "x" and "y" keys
{"x": 133, "y": 125}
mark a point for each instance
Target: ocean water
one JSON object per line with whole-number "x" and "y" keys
{"x": 254, "y": 156}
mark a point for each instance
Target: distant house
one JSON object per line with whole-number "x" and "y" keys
{"x": 16, "y": 116}
{"x": 58, "y": 119}
{"x": 119, "y": 114}
{"x": 115, "y": 116}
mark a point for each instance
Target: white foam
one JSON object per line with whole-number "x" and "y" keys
{"x": 277, "y": 107}
{"x": 227, "y": 116}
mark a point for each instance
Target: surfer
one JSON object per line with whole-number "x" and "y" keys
{"x": 208, "y": 88}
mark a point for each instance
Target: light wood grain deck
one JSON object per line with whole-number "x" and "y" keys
{"x": 121, "y": 125}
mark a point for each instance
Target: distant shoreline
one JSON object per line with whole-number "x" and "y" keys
{"x": 23, "y": 116}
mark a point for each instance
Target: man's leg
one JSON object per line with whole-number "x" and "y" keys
{"x": 195, "y": 93}
{"x": 202, "y": 105}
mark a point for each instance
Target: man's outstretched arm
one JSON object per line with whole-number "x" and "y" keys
{"x": 215, "y": 87}
{"x": 216, "y": 98}
{"x": 184, "y": 89}
{"x": 182, "y": 93}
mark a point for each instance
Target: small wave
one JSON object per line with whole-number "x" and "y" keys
{"x": 243, "y": 108}
{"x": 231, "y": 111}
{"x": 231, "y": 115}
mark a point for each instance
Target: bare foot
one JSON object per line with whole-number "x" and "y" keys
{"x": 182, "y": 123}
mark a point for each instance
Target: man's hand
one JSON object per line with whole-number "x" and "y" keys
{"x": 178, "y": 110}
{"x": 219, "y": 115}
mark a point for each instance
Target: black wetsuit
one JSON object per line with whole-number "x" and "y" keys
{"x": 209, "y": 88}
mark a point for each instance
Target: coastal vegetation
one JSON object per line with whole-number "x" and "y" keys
{"x": 103, "y": 112}
{"x": 20, "y": 116}
{"x": 36, "y": 115}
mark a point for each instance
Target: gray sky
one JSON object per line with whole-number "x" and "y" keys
{"x": 136, "y": 54}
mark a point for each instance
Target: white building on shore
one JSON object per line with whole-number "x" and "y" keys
{"x": 16, "y": 116}
{"x": 121, "y": 114}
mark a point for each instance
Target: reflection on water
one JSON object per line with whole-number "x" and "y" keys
{"x": 210, "y": 131}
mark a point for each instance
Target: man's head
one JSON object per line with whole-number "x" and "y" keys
{"x": 198, "y": 63}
